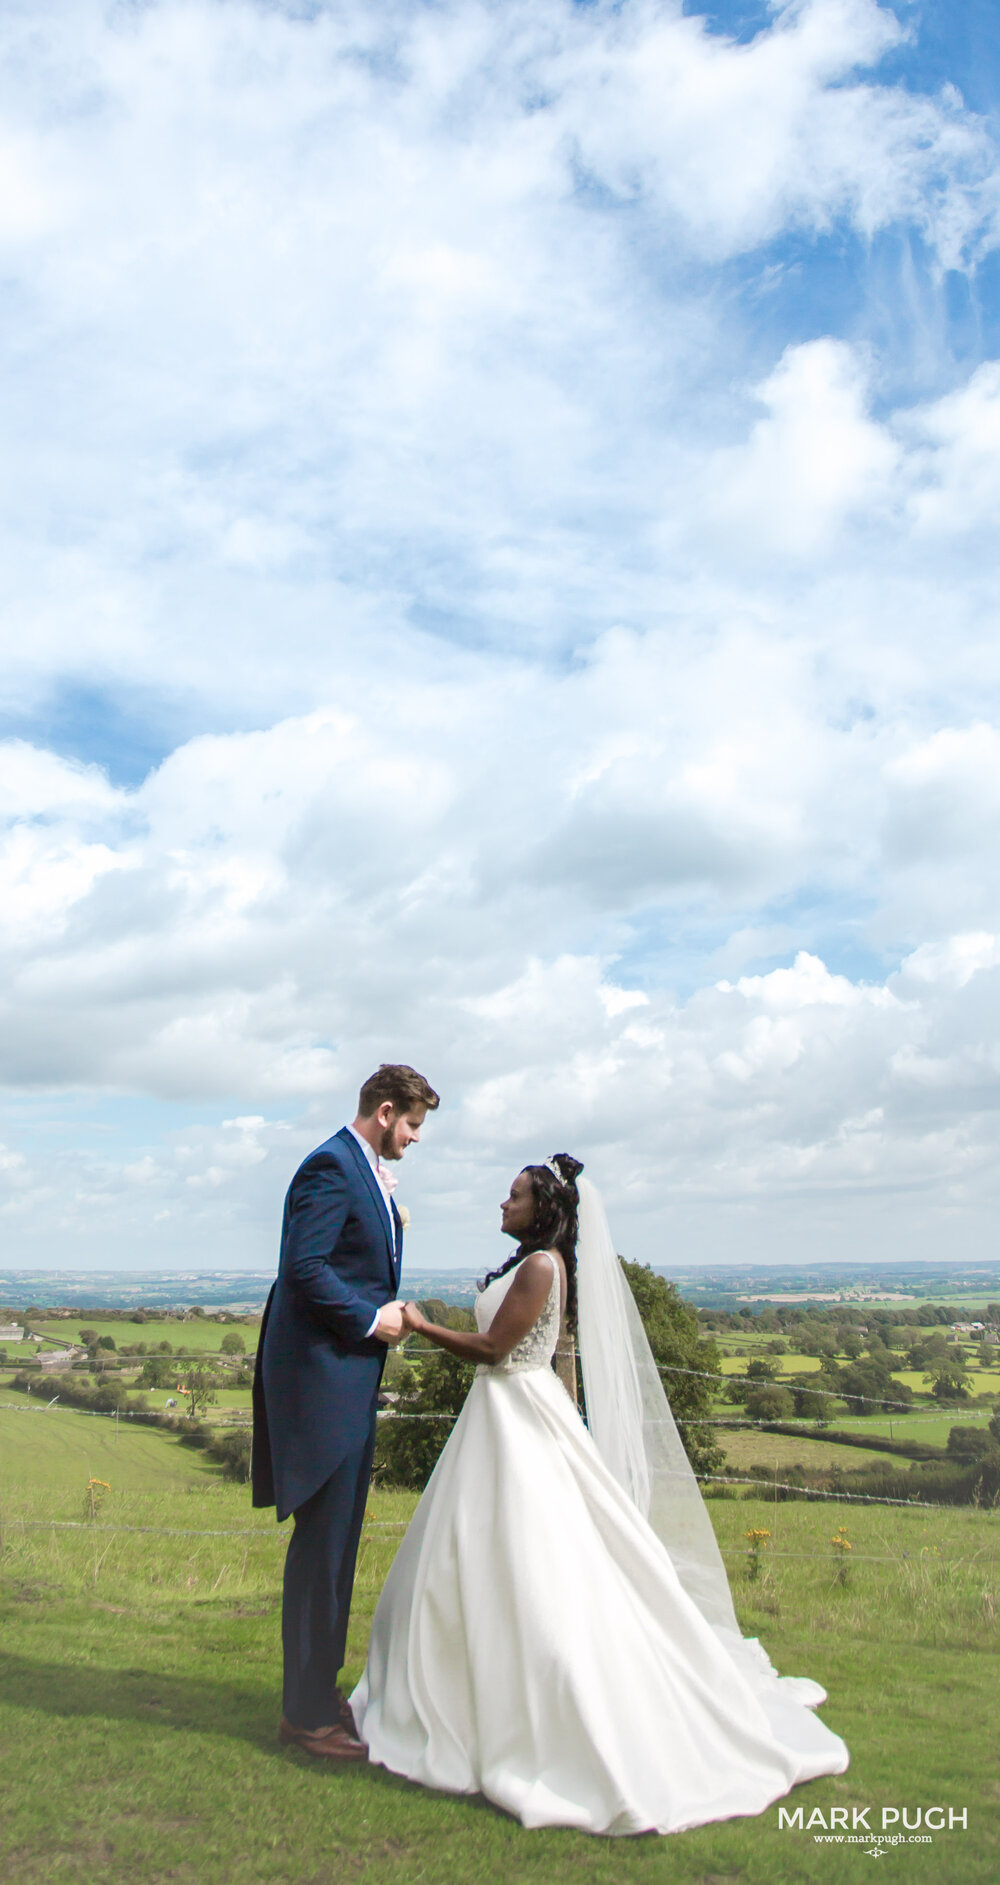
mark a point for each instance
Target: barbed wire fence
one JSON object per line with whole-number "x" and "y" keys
{"x": 763, "y": 1482}
{"x": 721, "y": 1379}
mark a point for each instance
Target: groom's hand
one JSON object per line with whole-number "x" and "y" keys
{"x": 390, "y": 1327}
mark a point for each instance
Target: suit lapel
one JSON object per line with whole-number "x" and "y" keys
{"x": 397, "y": 1256}
{"x": 376, "y": 1195}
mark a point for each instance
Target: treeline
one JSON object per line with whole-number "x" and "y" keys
{"x": 777, "y": 1318}
{"x": 39, "y": 1312}
{"x": 74, "y": 1390}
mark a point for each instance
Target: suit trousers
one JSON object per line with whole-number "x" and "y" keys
{"x": 319, "y": 1577}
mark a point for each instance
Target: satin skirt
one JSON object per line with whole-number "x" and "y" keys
{"x": 533, "y": 1643}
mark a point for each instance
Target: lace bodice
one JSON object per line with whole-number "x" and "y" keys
{"x": 534, "y": 1350}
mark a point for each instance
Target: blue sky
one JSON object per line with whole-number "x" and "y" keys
{"x": 500, "y": 571}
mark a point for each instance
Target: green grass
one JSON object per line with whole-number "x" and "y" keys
{"x": 928, "y": 1424}
{"x": 752, "y": 1447}
{"x": 139, "y": 1677}
{"x": 782, "y": 1364}
{"x": 51, "y": 1455}
{"x": 194, "y": 1337}
{"x": 755, "y": 1446}
{"x": 227, "y": 1401}
{"x": 977, "y": 1380}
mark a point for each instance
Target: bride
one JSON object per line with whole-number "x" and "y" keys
{"x": 556, "y": 1631}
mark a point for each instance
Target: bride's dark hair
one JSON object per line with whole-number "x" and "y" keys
{"x": 555, "y": 1224}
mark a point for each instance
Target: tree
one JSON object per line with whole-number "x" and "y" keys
{"x": 158, "y": 1371}
{"x": 89, "y": 1338}
{"x": 407, "y": 1448}
{"x": 820, "y": 1344}
{"x": 868, "y": 1385}
{"x": 969, "y": 1443}
{"x": 947, "y": 1383}
{"x": 929, "y": 1349}
{"x": 769, "y": 1403}
{"x": 812, "y": 1405}
{"x": 232, "y": 1344}
{"x": 760, "y": 1371}
{"x": 108, "y": 1342}
{"x": 232, "y": 1450}
{"x": 673, "y": 1334}
{"x": 199, "y": 1387}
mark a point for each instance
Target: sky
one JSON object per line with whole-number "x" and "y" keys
{"x": 499, "y": 571}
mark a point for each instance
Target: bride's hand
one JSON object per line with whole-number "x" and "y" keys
{"x": 411, "y": 1317}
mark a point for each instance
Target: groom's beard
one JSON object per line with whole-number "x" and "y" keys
{"x": 387, "y": 1143}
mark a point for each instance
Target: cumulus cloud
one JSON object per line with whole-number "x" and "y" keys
{"x": 381, "y": 319}
{"x": 280, "y": 909}
{"x": 814, "y": 460}
{"x": 568, "y": 668}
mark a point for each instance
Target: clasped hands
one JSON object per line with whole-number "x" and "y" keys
{"x": 395, "y": 1322}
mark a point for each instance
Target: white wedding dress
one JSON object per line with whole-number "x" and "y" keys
{"x": 533, "y": 1642}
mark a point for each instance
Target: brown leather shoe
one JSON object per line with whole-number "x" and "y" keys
{"x": 330, "y": 1744}
{"x": 345, "y": 1715}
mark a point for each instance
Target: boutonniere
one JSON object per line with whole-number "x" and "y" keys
{"x": 404, "y": 1216}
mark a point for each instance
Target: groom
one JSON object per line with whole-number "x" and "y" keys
{"x": 328, "y": 1322}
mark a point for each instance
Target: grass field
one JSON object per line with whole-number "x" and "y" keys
{"x": 782, "y": 1364}
{"x": 190, "y": 1338}
{"x": 228, "y": 1401}
{"x": 750, "y": 1447}
{"x": 926, "y": 1424}
{"x": 139, "y": 1677}
{"x": 977, "y": 1380}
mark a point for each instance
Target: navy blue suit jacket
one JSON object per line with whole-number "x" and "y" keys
{"x": 317, "y": 1375}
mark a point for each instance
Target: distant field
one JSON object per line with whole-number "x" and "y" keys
{"x": 184, "y": 1337}
{"x": 977, "y": 1380}
{"x": 782, "y": 1364}
{"x": 46, "y": 1388}
{"x": 931, "y": 1426}
{"x": 753, "y": 1447}
{"x": 227, "y": 1400}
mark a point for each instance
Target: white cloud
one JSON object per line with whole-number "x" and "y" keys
{"x": 817, "y": 458}
{"x": 329, "y": 324}
{"x": 383, "y": 396}
{"x": 290, "y": 906}
{"x": 736, "y": 142}
{"x": 956, "y": 457}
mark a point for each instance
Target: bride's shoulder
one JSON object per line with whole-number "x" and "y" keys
{"x": 541, "y": 1263}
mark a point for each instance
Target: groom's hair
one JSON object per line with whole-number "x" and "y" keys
{"x": 403, "y": 1087}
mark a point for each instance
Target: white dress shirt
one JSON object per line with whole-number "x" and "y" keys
{"x": 372, "y": 1157}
